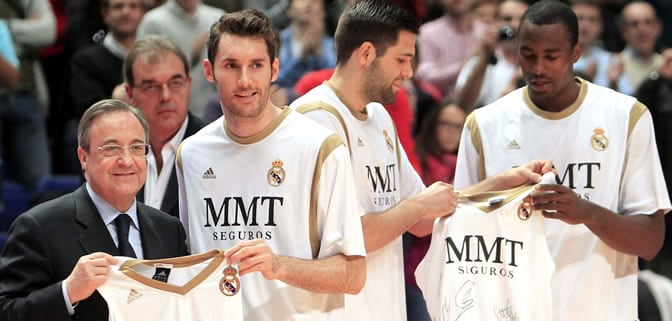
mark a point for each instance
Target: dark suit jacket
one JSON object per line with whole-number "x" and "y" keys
{"x": 169, "y": 203}
{"x": 94, "y": 72}
{"x": 45, "y": 242}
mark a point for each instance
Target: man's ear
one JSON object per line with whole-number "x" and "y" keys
{"x": 275, "y": 68}
{"x": 82, "y": 155}
{"x": 576, "y": 52}
{"x": 366, "y": 53}
{"x": 208, "y": 71}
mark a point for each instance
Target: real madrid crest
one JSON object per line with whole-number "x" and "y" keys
{"x": 388, "y": 140}
{"x": 229, "y": 284}
{"x": 525, "y": 209}
{"x": 599, "y": 141}
{"x": 276, "y": 175}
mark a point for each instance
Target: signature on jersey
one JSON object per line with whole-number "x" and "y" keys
{"x": 463, "y": 301}
{"x": 506, "y": 312}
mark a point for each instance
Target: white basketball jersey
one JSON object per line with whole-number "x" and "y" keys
{"x": 384, "y": 176}
{"x": 290, "y": 185}
{"x": 604, "y": 148}
{"x": 488, "y": 261}
{"x": 199, "y": 287}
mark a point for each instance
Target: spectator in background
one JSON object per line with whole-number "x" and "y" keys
{"x": 595, "y": 61}
{"x": 187, "y": 23}
{"x": 494, "y": 71}
{"x": 664, "y": 9}
{"x": 436, "y": 147}
{"x": 446, "y": 43}
{"x": 640, "y": 28}
{"x": 304, "y": 45}
{"x": 486, "y": 11}
{"x": 158, "y": 83}
{"x": 32, "y": 25}
{"x": 97, "y": 69}
{"x": 422, "y": 97}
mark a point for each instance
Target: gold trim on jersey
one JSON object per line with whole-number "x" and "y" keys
{"x": 321, "y": 105}
{"x": 275, "y": 122}
{"x": 178, "y": 156}
{"x": 328, "y": 146}
{"x": 355, "y": 112}
{"x": 472, "y": 126}
{"x": 638, "y": 109}
{"x": 561, "y": 114}
{"x": 216, "y": 255}
{"x": 484, "y": 201}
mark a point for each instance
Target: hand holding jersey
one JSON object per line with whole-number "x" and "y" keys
{"x": 89, "y": 272}
{"x": 491, "y": 260}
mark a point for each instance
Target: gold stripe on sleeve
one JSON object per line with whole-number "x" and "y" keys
{"x": 328, "y": 146}
{"x": 635, "y": 114}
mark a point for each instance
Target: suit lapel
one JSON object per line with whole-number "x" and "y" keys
{"x": 95, "y": 237}
{"x": 148, "y": 234}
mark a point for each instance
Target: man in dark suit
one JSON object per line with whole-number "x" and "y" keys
{"x": 60, "y": 251}
{"x": 158, "y": 83}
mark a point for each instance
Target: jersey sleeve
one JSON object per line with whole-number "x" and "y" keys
{"x": 643, "y": 184}
{"x": 469, "y": 161}
{"x": 339, "y": 212}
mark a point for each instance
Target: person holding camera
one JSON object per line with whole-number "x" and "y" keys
{"x": 493, "y": 71}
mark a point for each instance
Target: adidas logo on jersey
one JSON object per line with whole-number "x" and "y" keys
{"x": 360, "y": 143}
{"x": 209, "y": 174}
{"x": 133, "y": 295}
{"x": 513, "y": 145}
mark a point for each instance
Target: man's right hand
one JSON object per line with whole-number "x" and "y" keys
{"x": 437, "y": 200}
{"x": 89, "y": 273}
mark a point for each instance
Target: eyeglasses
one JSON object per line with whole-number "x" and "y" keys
{"x": 154, "y": 88}
{"x": 118, "y": 150}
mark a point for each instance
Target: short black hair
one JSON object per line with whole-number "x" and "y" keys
{"x": 375, "y": 21}
{"x": 549, "y": 12}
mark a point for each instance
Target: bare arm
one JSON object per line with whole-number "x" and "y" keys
{"x": 334, "y": 274}
{"x": 9, "y": 76}
{"x": 468, "y": 95}
{"x": 640, "y": 235}
{"x": 529, "y": 172}
{"x": 414, "y": 214}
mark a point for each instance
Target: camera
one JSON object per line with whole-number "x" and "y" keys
{"x": 506, "y": 33}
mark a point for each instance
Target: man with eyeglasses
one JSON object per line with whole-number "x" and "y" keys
{"x": 158, "y": 83}
{"x": 60, "y": 251}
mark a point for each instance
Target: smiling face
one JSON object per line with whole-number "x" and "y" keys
{"x": 546, "y": 58}
{"x": 242, "y": 72}
{"x": 116, "y": 179}
{"x": 386, "y": 74}
{"x": 166, "y": 109}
